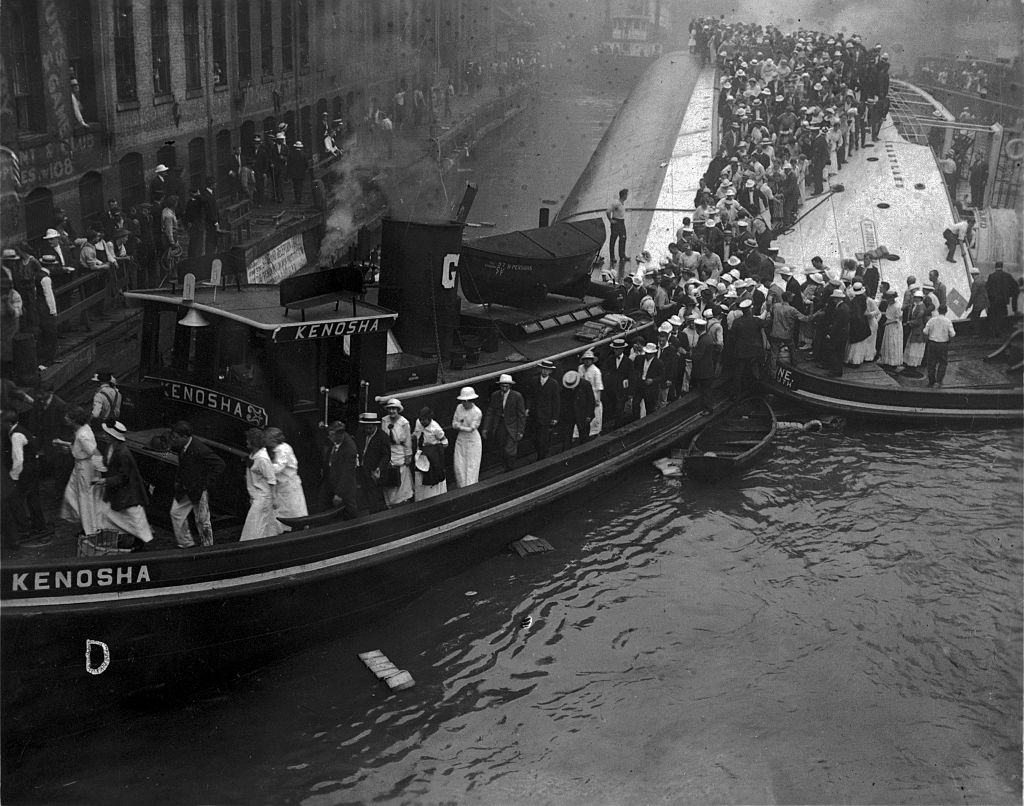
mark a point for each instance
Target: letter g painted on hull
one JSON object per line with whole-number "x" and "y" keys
{"x": 89, "y": 646}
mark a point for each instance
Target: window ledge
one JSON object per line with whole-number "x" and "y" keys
{"x": 128, "y": 105}
{"x": 195, "y": 92}
{"x": 160, "y": 100}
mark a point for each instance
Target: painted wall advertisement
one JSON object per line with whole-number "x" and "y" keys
{"x": 280, "y": 262}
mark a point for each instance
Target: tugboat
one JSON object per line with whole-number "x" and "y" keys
{"x": 316, "y": 348}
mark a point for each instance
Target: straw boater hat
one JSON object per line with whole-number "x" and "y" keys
{"x": 394, "y": 403}
{"x": 467, "y": 393}
{"x": 546, "y": 364}
{"x": 51, "y": 233}
{"x": 116, "y": 430}
{"x": 744, "y": 304}
{"x": 160, "y": 169}
{"x": 664, "y": 327}
{"x": 975, "y": 270}
{"x": 422, "y": 462}
{"x": 733, "y": 261}
{"x": 369, "y": 418}
{"x": 675, "y": 321}
{"x": 571, "y": 379}
{"x": 838, "y": 294}
{"x": 9, "y": 254}
{"x": 858, "y": 288}
{"x": 506, "y": 379}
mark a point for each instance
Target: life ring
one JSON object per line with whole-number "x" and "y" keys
{"x": 1015, "y": 149}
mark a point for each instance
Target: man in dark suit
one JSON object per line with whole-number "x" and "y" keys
{"x": 46, "y": 422}
{"x": 505, "y": 420}
{"x": 340, "y": 484}
{"x": 748, "y": 346}
{"x": 646, "y": 379}
{"x": 373, "y": 457}
{"x": 837, "y": 334}
{"x": 578, "y": 406}
{"x": 616, "y": 368}
{"x": 211, "y": 215}
{"x": 705, "y": 356}
{"x": 1002, "y": 290}
{"x": 668, "y": 355}
{"x": 543, "y": 400}
{"x": 198, "y": 466}
{"x": 297, "y": 165}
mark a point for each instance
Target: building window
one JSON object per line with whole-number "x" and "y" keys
{"x": 161, "y": 47}
{"x": 267, "y": 38}
{"x": 218, "y": 24}
{"x": 303, "y": 25}
{"x": 243, "y": 22}
{"x": 167, "y": 155}
{"x": 21, "y": 29}
{"x": 248, "y": 135}
{"x": 287, "y": 29}
{"x": 80, "y": 48}
{"x": 39, "y": 213}
{"x": 190, "y": 25}
{"x": 124, "y": 51}
{"x": 133, "y": 180}
{"x": 197, "y": 163}
{"x": 90, "y": 199}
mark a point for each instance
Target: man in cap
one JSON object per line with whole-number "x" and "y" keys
{"x": 339, "y": 486}
{"x": 646, "y": 380}
{"x": 505, "y": 420}
{"x": 543, "y": 403}
{"x": 373, "y": 458}
{"x": 298, "y": 168}
{"x": 106, "y": 400}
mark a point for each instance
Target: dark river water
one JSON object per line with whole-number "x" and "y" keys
{"x": 840, "y": 625}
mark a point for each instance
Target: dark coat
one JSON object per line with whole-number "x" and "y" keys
{"x": 613, "y": 376}
{"x": 669, "y": 357}
{"x": 544, "y": 401}
{"x": 198, "y": 466}
{"x": 860, "y": 329}
{"x": 871, "y": 280}
{"x": 704, "y": 355}
{"x": 577, "y": 405}
{"x": 297, "y": 164}
{"x": 339, "y": 468}
{"x": 655, "y": 374}
{"x": 375, "y": 454}
{"x": 124, "y": 486}
{"x": 838, "y": 326}
{"x": 513, "y": 415}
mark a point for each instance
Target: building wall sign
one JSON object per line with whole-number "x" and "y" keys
{"x": 282, "y": 261}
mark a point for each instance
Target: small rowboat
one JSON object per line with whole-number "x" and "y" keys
{"x": 731, "y": 441}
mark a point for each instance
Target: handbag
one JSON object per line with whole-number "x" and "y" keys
{"x": 392, "y": 476}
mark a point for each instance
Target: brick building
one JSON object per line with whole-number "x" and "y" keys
{"x": 95, "y": 93}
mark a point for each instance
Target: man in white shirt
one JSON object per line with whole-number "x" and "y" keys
{"x": 938, "y": 330}
{"x": 46, "y": 342}
{"x": 589, "y": 371}
{"x": 616, "y": 214}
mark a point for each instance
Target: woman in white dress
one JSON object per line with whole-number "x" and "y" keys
{"x": 260, "y": 481}
{"x": 399, "y": 433}
{"x": 430, "y": 476}
{"x": 468, "y": 445}
{"x": 83, "y": 496}
{"x": 289, "y": 498}
{"x": 891, "y": 354}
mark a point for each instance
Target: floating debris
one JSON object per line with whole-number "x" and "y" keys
{"x": 378, "y": 663}
{"x": 527, "y": 622}
{"x": 531, "y": 545}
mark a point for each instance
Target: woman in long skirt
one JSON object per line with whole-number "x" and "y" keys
{"x": 891, "y": 354}
{"x": 124, "y": 490}
{"x": 289, "y": 498}
{"x": 468, "y": 445}
{"x": 399, "y": 433}
{"x": 83, "y": 497}
{"x": 430, "y": 441}
{"x": 864, "y": 349}
{"x": 260, "y": 481}
{"x": 913, "y": 352}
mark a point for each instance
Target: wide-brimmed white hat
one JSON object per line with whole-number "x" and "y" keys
{"x": 467, "y": 393}
{"x": 159, "y": 169}
{"x": 785, "y": 271}
{"x": 394, "y": 403}
{"x": 664, "y": 327}
{"x": 650, "y": 349}
{"x": 422, "y": 462}
{"x": 506, "y": 379}
{"x": 51, "y": 233}
{"x": 675, "y": 321}
{"x": 589, "y": 354}
{"x": 571, "y": 379}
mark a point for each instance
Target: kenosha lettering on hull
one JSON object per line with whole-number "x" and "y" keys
{"x": 78, "y": 579}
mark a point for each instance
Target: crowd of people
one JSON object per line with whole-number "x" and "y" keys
{"x": 971, "y": 77}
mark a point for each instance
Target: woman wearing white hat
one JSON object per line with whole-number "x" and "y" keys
{"x": 589, "y": 372}
{"x": 430, "y": 441}
{"x": 399, "y": 433}
{"x": 468, "y": 444}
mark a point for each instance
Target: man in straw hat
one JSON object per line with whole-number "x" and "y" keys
{"x": 505, "y": 421}
{"x": 373, "y": 458}
{"x": 616, "y": 368}
{"x": 543, "y": 403}
{"x": 647, "y": 377}
{"x": 577, "y": 407}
